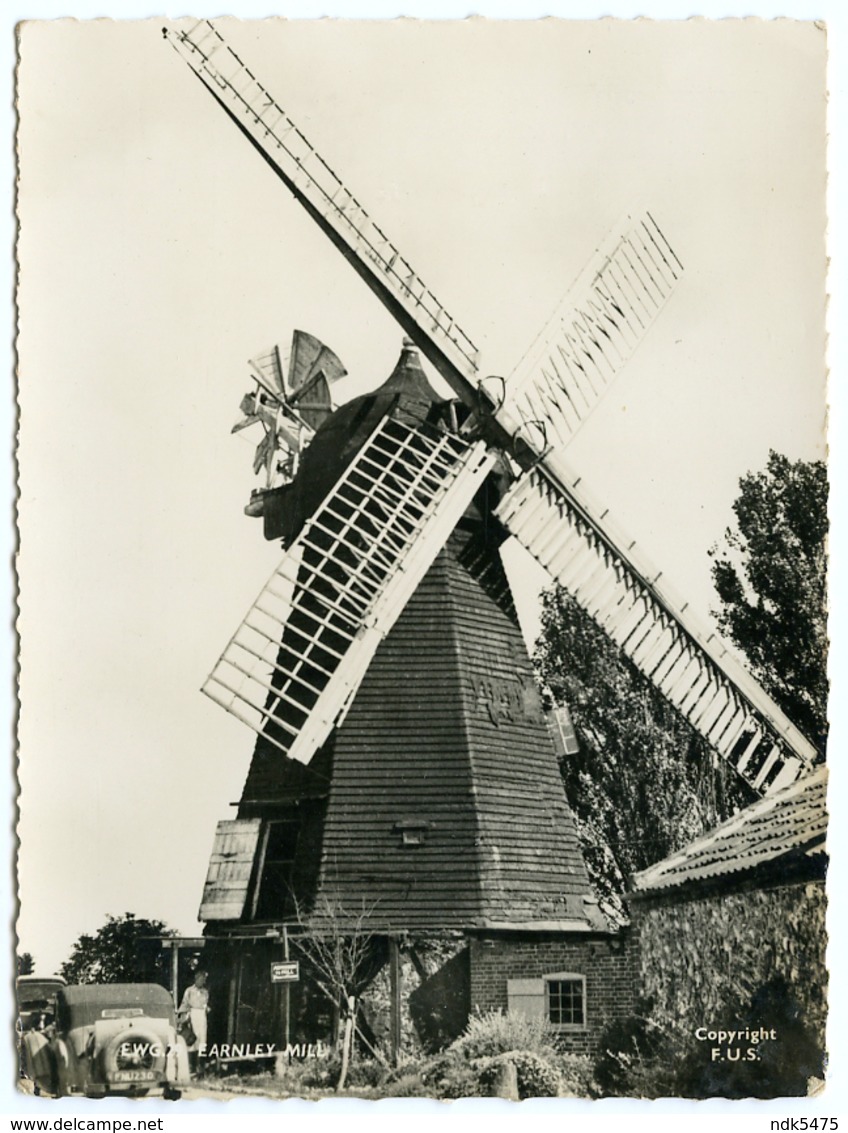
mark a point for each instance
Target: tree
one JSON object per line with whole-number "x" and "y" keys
{"x": 26, "y": 964}
{"x": 344, "y": 955}
{"x": 643, "y": 783}
{"x": 124, "y": 950}
{"x": 770, "y": 575}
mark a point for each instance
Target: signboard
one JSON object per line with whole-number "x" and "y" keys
{"x": 285, "y": 971}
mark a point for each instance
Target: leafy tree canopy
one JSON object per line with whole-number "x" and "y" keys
{"x": 643, "y": 782}
{"x": 26, "y": 964}
{"x": 124, "y": 950}
{"x": 770, "y": 575}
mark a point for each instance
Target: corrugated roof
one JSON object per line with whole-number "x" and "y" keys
{"x": 790, "y": 822}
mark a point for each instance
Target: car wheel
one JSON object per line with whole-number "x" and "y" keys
{"x": 133, "y": 1050}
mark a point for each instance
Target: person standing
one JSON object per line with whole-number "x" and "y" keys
{"x": 194, "y": 1009}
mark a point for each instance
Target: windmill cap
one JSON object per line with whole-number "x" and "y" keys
{"x": 410, "y": 355}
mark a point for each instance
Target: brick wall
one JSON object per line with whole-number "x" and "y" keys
{"x": 607, "y": 962}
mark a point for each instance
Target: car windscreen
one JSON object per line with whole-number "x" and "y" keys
{"x": 34, "y": 992}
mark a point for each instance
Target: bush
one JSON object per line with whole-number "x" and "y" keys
{"x": 491, "y": 1032}
{"x": 578, "y": 1075}
{"x": 450, "y": 1075}
{"x": 537, "y": 1078}
{"x": 366, "y": 1072}
{"x": 632, "y": 1054}
{"x": 470, "y": 1065}
{"x": 408, "y": 1084}
{"x": 458, "y": 1080}
{"x": 322, "y": 1073}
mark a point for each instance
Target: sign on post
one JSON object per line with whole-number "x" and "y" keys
{"x": 285, "y": 971}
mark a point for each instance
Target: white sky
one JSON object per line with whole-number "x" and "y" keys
{"x": 158, "y": 253}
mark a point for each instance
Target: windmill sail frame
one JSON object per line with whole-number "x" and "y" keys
{"x": 518, "y": 422}
{"x": 296, "y": 660}
{"x": 689, "y": 664}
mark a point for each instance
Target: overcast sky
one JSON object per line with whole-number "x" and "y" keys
{"x": 158, "y": 253}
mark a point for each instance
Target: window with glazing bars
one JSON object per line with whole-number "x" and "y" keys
{"x": 566, "y": 1001}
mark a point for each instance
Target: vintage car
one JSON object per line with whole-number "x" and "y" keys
{"x": 36, "y": 997}
{"x": 116, "y": 1039}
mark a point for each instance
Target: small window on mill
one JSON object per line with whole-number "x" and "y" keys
{"x": 412, "y": 831}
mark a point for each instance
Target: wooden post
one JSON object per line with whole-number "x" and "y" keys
{"x": 395, "y": 989}
{"x": 175, "y": 972}
{"x": 286, "y": 990}
{"x": 506, "y": 1082}
{"x": 234, "y": 968}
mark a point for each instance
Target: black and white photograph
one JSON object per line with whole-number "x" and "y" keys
{"x": 422, "y": 560}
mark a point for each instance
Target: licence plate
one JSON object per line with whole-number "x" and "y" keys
{"x": 134, "y": 1076}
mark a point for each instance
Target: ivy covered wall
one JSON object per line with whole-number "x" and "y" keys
{"x": 703, "y": 958}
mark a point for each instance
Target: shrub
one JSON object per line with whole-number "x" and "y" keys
{"x": 537, "y": 1078}
{"x": 322, "y": 1072}
{"x": 460, "y": 1080}
{"x": 290, "y": 1078}
{"x": 366, "y": 1072}
{"x": 631, "y": 1053}
{"x": 577, "y": 1072}
{"x": 408, "y": 1084}
{"x": 491, "y": 1032}
{"x": 450, "y": 1075}
{"x": 469, "y": 1066}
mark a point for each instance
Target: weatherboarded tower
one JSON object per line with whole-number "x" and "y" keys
{"x": 436, "y": 806}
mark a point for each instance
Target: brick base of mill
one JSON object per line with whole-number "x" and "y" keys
{"x": 580, "y": 984}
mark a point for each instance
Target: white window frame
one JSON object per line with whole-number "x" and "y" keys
{"x": 562, "y": 977}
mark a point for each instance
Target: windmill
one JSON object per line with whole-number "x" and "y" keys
{"x": 380, "y": 527}
{"x": 290, "y": 403}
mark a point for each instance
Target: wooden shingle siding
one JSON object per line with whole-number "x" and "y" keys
{"x": 272, "y": 780}
{"x": 447, "y": 727}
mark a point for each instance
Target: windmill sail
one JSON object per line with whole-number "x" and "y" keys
{"x": 627, "y": 286}
{"x": 599, "y": 325}
{"x": 539, "y": 410}
{"x": 269, "y": 366}
{"x": 331, "y": 205}
{"x": 289, "y": 408}
{"x": 690, "y": 665}
{"x": 298, "y": 657}
{"x": 309, "y": 357}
